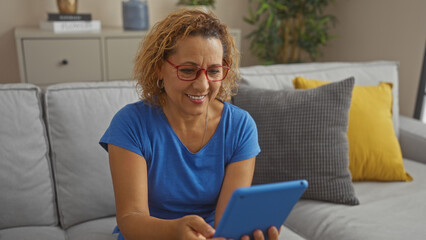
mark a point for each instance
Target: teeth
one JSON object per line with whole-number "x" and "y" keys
{"x": 195, "y": 97}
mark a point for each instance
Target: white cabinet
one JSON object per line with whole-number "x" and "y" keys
{"x": 50, "y": 61}
{"x": 120, "y": 56}
{"x": 48, "y": 58}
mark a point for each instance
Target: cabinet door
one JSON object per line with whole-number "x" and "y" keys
{"x": 49, "y": 61}
{"x": 120, "y": 56}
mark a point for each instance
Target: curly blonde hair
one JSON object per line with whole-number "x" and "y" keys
{"x": 161, "y": 42}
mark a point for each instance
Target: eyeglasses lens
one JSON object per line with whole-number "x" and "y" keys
{"x": 189, "y": 73}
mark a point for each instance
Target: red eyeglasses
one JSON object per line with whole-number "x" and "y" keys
{"x": 192, "y": 72}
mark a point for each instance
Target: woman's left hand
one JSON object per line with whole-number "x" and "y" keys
{"x": 258, "y": 234}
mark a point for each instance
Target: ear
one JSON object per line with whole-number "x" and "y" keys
{"x": 160, "y": 71}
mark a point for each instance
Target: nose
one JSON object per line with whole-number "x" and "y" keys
{"x": 201, "y": 83}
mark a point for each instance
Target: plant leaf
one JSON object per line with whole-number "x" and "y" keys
{"x": 263, "y": 8}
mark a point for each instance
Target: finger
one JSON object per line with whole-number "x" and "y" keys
{"x": 245, "y": 237}
{"x": 200, "y": 226}
{"x": 258, "y": 235}
{"x": 273, "y": 233}
{"x": 199, "y": 236}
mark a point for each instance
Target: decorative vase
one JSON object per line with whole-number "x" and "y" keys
{"x": 67, "y": 6}
{"x": 135, "y": 15}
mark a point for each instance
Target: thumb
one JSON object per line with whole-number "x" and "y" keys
{"x": 200, "y": 226}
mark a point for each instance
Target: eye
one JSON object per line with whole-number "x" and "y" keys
{"x": 187, "y": 70}
{"x": 214, "y": 71}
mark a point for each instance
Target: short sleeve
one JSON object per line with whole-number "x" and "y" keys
{"x": 247, "y": 144}
{"x": 124, "y": 131}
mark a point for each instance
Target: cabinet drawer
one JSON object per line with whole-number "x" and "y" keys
{"x": 120, "y": 54}
{"x": 49, "y": 61}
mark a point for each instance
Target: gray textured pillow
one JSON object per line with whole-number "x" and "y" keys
{"x": 302, "y": 134}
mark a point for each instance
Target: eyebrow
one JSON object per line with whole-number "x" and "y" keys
{"x": 196, "y": 64}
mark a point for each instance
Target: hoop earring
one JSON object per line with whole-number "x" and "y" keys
{"x": 160, "y": 85}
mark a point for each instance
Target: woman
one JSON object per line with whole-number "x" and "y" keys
{"x": 177, "y": 155}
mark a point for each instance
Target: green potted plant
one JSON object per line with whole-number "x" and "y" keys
{"x": 205, "y": 5}
{"x": 289, "y": 31}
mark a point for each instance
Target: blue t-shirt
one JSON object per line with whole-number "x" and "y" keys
{"x": 181, "y": 182}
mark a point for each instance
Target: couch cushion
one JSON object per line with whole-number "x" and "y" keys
{"x": 374, "y": 151}
{"x": 100, "y": 229}
{"x": 365, "y": 73}
{"x": 302, "y": 134}
{"x": 77, "y": 115}
{"x": 32, "y": 233}
{"x": 26, "y": 186}
{"x": 288, "y": 234}
{"x": 388, "y": 210}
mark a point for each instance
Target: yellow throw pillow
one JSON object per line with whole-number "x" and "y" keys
{"x": 374, "y": 151}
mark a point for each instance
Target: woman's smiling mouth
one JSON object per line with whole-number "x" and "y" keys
{"x": 198, "y": 99}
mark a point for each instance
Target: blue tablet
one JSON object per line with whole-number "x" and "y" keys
{"x": 259, "y": 207}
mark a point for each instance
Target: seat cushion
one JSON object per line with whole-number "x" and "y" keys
{"x": 100, "y": 229}
{"x": 26, "y": 185}
{"x": 77, "y": 115}
{"x": 388, "y": 210}
{"x": 32, "y": 233}
{"x": 288, "y": 234}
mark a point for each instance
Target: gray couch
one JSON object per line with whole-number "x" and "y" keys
{"x": 55, "y": 181}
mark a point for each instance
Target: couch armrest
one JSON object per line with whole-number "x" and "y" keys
{"x": 412, "y": 138}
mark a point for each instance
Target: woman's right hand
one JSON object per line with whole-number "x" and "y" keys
{"x": 273, "y": 234}
{"x": 193, "y": 227}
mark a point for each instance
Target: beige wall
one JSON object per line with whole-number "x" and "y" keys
{"x": 382, "y": 30}
{"x": 367, "y": 30}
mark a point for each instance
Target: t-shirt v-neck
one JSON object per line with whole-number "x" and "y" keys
{"x": 219, "y": 126}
